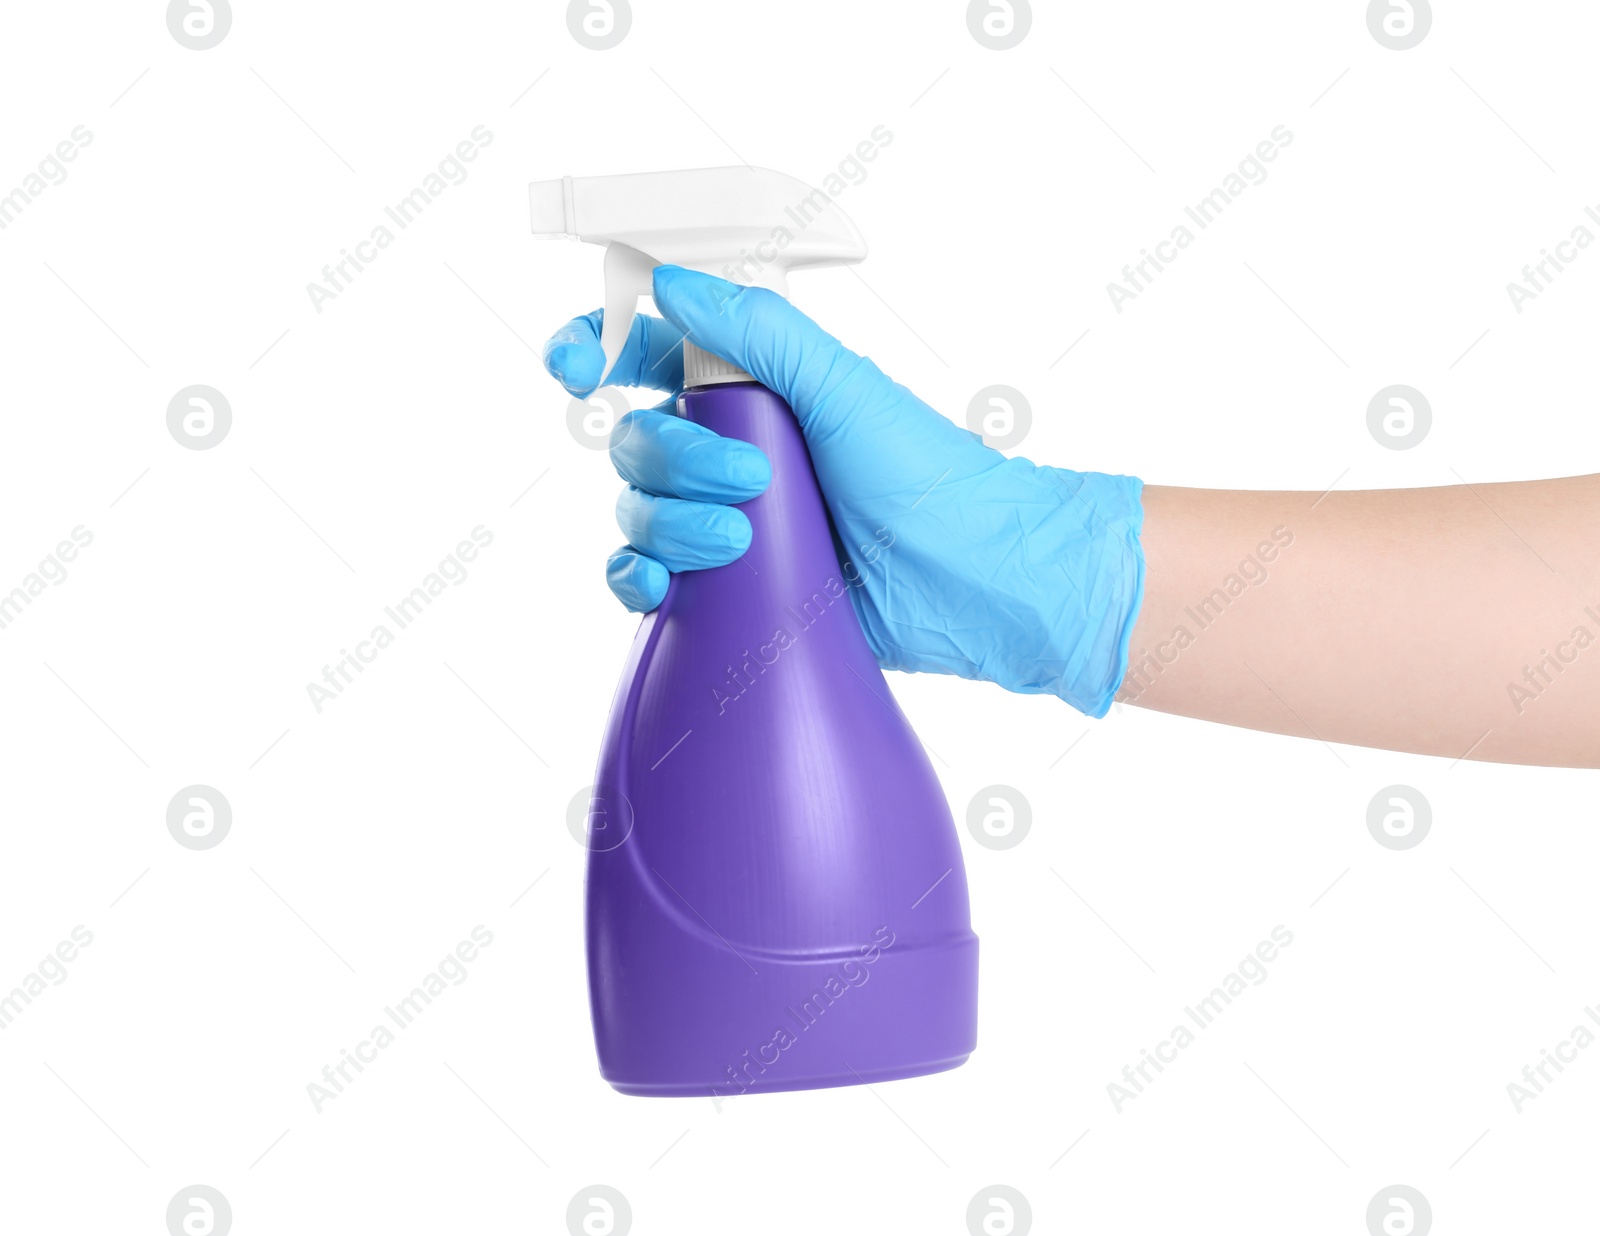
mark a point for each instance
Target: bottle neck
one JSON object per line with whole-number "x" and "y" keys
{"x": 701, "y": 368}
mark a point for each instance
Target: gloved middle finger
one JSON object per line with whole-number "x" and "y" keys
{"x": 668, "y": 456}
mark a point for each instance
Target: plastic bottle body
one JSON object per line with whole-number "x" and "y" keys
{"x": 776, "y": 898}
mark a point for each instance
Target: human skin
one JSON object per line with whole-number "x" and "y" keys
{"x": 1461, "y": 621}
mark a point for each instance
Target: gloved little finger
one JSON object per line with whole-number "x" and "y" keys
{"x": 639, "y": 582}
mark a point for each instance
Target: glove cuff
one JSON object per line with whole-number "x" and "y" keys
{"x": 1105, "y": 515}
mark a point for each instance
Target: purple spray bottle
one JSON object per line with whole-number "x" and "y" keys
{"x": 775, "y": 896}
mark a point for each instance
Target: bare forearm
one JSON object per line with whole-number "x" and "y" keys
{"x": 1440, "y": 621}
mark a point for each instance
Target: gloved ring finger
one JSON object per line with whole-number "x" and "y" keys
{"x": 682, "y": 535}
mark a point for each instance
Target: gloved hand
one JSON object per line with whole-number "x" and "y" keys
{"x": 965, "y": 562}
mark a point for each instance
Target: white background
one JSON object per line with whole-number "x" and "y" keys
{"x": 369, "y": 439}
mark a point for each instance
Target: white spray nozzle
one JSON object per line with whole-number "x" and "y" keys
{"x": 747, "y": 225}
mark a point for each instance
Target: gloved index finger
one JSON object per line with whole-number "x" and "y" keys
{"x": 651, "y": 358}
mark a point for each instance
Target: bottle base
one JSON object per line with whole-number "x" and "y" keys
{"x": 723, "y": 1089}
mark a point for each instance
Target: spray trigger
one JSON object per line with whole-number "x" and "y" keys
{"x": 627, "y": 277}
{"x": 748, "y": 225}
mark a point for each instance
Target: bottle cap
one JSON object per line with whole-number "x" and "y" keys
{"x": 747, "y": 225}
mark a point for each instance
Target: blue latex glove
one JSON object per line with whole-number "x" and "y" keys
{"x": 964, "y": 561}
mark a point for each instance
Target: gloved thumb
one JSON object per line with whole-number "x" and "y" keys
{"x": 767, "y": 337}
